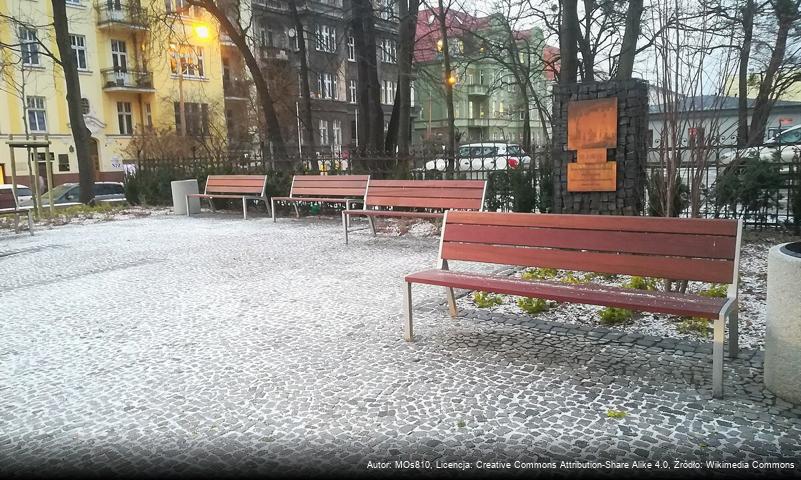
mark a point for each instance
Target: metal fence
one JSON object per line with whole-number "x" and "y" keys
{"x": 762, "y": 185}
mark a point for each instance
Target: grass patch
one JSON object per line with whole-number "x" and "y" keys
{"x": 694, "y": 326}
{"x": 614, "y": 316}
{"x": 615, "y": 414}
{"x": 460, "y": 424}
{"x": 486, "y": 300}
{"x": 532, "y": 305}
{"x": 716, "y": 290}
{"x": 572, "y": 279}
{"x": 539, "y": 273}
{"x": 641, "y": 283}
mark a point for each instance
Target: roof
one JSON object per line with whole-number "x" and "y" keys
{"x": 716, "y": 102}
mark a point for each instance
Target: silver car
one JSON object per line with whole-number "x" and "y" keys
{"x": 71, "y": 193}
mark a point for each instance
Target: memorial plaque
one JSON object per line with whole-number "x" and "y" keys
{"x": 591, "y": 130}
{"x": 592, "y": 177}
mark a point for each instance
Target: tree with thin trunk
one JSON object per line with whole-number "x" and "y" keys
{"x": 568, "y": 42}
{"x": 748, "y": 11}
{"x": 371, "y": 115}
{"x": 305, "y": 89}
{"x": 628, "y": 47}
{"x": 399, "y": 131}
{"x": 448, "y": 81}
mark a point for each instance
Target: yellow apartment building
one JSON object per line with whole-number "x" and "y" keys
{"x": 145, "y": 66}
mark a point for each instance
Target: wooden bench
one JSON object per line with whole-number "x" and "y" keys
{"x": 705, "y": 250}
{"x": 10, "y": 206}
{"x": 245, "y": 187}
{"x": 440, "y": 195}
{"x": 342, "y": 189}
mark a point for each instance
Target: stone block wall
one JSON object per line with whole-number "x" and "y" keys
{"x": 630, "y": 154}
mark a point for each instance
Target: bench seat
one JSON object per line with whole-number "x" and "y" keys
{"x": 217, "y": 195}
{"x": 395, "y": 213}
{"x": 317, "y": 199}
{"x": 590, "y": 293}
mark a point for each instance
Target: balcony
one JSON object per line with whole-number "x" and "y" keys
{"x": 118, "y": 14}
{"x": 133, "y": 81}
{"x": 236, "y": 89}
{"x": 273, "y": 53}
{"x": 477, "y": 89}
{"x": 478, "y": 122}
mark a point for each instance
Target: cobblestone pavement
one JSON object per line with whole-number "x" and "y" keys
{"x": 190, "y": 344}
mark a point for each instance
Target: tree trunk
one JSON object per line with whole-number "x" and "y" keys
{"x": 371, "y": 115}
{"x": 407, "y": 33}
{"x": 628, "y": 47}
{"x": 262, "y": 90}
{"x": 446, "y": 60}
{"x": 568, "y": 42}
{"x": 764, "y": 100}
{"x": 305, "y": 90}
{"x": 80, "y": 134}
{"x": 742, "y": 75}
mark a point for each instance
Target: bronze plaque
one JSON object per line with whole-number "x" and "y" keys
{"x": 592, "y": 177}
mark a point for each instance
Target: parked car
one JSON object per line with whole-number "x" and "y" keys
{"x": 24, "y": 193}
{"x": 485, "y": 156}
{"x": 71, "y": 193}
{"x": 787, "y": 144}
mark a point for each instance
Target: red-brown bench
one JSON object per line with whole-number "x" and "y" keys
{"x": 392, "y": 198}
{"x": 244, "y": 187}
{"x": 10, "y": 206}
{"x": 341, "y": 189}
{"x": 705, "y": 250}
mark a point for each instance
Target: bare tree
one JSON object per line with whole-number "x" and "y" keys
{"x": 305, "y": 90}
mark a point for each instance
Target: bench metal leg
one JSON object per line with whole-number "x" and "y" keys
{"x": 345, "y": 225}
{"x": 717, "y": 356}
{"x": 267, "y": 205}
{"x": 734, "y": 342}
{"x": 30, "y": 222}
{"x": 451, "y": 302}
{"x": 372, "y": 224}
{"x": 297, "y": 212}
{"x": 272, "y": 209}
{"x": 16, "y": 222}
{"x": 244, "y": 208}
{"x": 408, "y": 333}
{"x": 188, "y": 213}
{"x": 211, "y": 204}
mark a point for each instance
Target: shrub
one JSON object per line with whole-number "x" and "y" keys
{"x": 539, "y": 273}
{"x": 641, "y": 283}
{"x": 486, "y": 300}
{"x": 657, "y": 193}
{"x": 572, "y": 279}
{"x": 694, "y": 325}
{"x": 614, "y": 316}
{"x": 749, "y": 188}
{"x": 532, "y": 305}
{"x": 716, "y": 290}
{"x": 511, "y": 189}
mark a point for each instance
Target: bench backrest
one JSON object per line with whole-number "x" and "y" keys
{"x": 704, "y": 250}
{"x": 7, "y": 200}
{"x": 345, "y": 186}
{"x": 244, "y": 184}
{"x": 436, "y": 194}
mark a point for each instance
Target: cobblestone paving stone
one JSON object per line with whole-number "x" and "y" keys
{"x": 189, "y": 344}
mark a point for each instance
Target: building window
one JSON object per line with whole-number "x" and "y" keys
{"x": 63, "y": 162}
{"x": 351, "y": 48}
{"x": 197, "y": 118}
{"x": 388, "y": 88}
{"x": 323, "y": 132}
{"x": 119, "y": 55}
{"x": 29, "y": 46}
{"x": 148, "y": 116}
{"x": 352, "y": 91}
{"x": 337, "y": 132}
{"x": 326, "y": 39}
{"x": 176, "y": 6}
{"x": 389, "y": 51}
{"x": 37, "y": 118}
{"x": 125, "y": 118}
{"x": 85, "y": 106}
{"x": 78, "y": 44}
{"x": 387, "y": 9}
{"x": 190, "y": 59}
{"x": 327, "y": 86}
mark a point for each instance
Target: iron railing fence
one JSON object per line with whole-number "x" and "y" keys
{"x": 761, "y": 185}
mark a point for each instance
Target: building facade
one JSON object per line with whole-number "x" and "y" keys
{"x": 147, "y": 69}
{"x": 487, "y": 100}
{"x": 332, "y": 72}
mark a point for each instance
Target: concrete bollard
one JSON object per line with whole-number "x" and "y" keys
{"x": 783, "y": 335}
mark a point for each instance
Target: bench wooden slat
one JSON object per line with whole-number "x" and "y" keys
{"x": 475, "y": 193}
{"x": 428, "y": 183}
{"x": 222, "y": 183}
{"x": 344, "y": 183}
{"x": 234, "y": 189}
{"x": 424, "y": 202}
{"x": 677, "y": 268}
{"x": 332, "y": 178}
{"x": 697, "y": 226}
{"x": 351, "y": 192}
{"x": 594, "y": 294}
{"x": 668, "y": 244}
{"x": 395, "y": 213}
{"x": 317, "y": 199}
